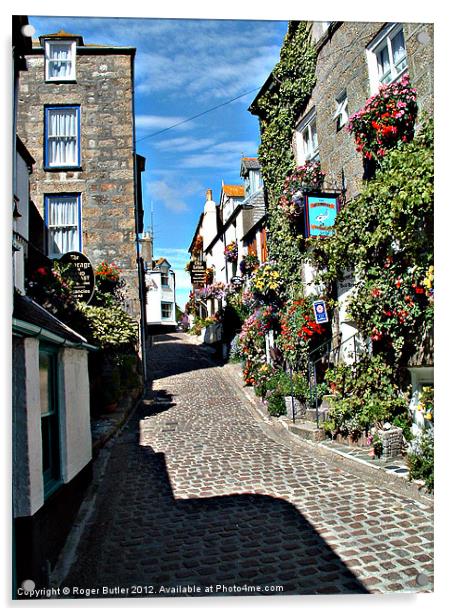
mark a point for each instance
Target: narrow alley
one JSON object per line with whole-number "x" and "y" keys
{"x": 199, "y": 497}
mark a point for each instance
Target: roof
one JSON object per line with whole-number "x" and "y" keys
{"x": 253, "y": 210}
{"x": 30, "y": 312}
{"x": 233, "y": 190}
{"x": 250, "y": 163}
{"x": 269, "y": 83}
{"x": 161, "y": 261}
{"x": 198, "y": 226}
{"x": 62, "y": 34}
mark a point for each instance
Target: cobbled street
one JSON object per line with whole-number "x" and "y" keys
{"x": 199, "y": 492}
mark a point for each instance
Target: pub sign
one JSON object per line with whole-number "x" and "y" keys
{"x": 321, "y": 211}
{"x": 81, "y": 272}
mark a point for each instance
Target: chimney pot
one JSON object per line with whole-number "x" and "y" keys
{"x": 209, "y": 195}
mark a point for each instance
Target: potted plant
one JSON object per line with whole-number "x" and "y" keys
{"x": 248, "y": 264}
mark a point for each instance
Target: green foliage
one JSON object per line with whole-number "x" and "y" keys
{"x": 199, "y": 324}
{"x": 421, "y": 458}
{"x": 386, "y": 235}
{"x": 279, "y": 108}
{"x": 276, "y": 405}
{"x": 365, "y": 396}
{"x": 110, "y": 327}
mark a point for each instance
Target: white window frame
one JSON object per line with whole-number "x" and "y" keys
{"x": 341, "y": 113}
{"x": 59, "y": 137}
{"x": 47, "y": 49}
{"x": 170, "y": 306}
{"x": 77, "y": 225}
{"x": 384, "y": 40}
{"x": 303, "y": 154}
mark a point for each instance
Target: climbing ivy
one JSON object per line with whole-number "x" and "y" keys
{"x": 278, "y": 109}
{"x": 386, "y": 236}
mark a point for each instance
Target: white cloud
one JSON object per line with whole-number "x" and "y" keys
{"x": 172, "y": 192}
{"x": 144, "y": 121}
{"x": 184, "y": 144}
{"x": 168, "y": 195}
{"x": 224, "y": 155}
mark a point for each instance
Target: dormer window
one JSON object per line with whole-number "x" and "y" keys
{"x": 60, "y": 60}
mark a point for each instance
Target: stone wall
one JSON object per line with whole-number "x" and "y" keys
{"x": 105, "y": 181}
{"x": 342, "y": 65}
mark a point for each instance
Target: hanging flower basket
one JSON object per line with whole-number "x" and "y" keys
{"x": 387, "y": 118}
{"x": 197, "y": 247}
{"x": 209, "y": 275}
{"x": 231, "y": 252}
{"x": 307, "y": 178}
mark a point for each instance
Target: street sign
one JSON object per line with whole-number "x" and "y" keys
{"x": 320, "y": 313}
{"x": 81, "y": 272}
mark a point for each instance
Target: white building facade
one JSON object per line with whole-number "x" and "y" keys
{"x": 161, "y": 295}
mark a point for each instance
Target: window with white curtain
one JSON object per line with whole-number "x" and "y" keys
{"x": 60, "y": 60}
{"x": 62, "y": 217}
{"x": 62, "y": 131}
{"x": 386, "y": 56}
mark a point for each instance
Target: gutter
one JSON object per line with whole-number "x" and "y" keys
{"x": 27, "y": 329}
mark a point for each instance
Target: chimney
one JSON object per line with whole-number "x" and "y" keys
{"x": 209, "y": 223}
{"x": 146, "y": 247}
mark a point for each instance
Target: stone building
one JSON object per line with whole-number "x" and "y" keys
{"x": 51, "y": 434}
{"x": 76, "y": 117}
{"x": 353, "y": 59}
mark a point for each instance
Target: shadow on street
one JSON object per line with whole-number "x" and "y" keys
{"x": 143, "y": 536}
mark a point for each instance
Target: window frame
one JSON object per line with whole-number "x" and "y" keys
{"x": 164, "y": 275}
{"x": 168, "y": 318}
{"x": 381, "y": 41}
{"x": 341, "y": 114}
{"x": 304, "y": 125}
{"x": 48, "y": 197}
{"x": 47, "y": 59}
{"x": 52, "y": 475}
{"x": 58, "y": 167}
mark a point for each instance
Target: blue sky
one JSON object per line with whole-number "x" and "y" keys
{"x": 182, "y": 68}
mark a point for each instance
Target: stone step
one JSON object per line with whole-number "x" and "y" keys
{"x": 311, "y": 414}
{"x": 307, "y": 430}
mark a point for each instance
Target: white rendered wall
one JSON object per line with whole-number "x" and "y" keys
{"x": 74, "y": 412}
{"x": 28, "y": 487}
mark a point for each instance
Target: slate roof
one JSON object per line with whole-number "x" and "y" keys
{"x": 27, "y": 310}
{"x": 250, "y": 163}
{"x": 253, "y": 211}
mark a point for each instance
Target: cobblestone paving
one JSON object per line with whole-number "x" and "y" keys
{"x": 197, "y": 494}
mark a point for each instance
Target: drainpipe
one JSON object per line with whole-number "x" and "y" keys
{"x": 141, "y": 282}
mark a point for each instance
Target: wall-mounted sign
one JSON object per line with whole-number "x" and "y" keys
{"x": 81, "y": 272}
{"x": 198, "y": 272}
{"x": 320, "y": 313}
{"x": 321, "y": 211}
